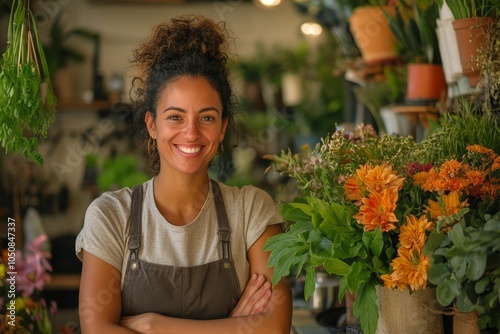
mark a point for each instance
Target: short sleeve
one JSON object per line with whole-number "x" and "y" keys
{"x": 260, "y": 211}
{"x": 105, "y": 228}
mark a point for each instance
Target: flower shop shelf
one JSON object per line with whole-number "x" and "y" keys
{"x": 420, "y": 115}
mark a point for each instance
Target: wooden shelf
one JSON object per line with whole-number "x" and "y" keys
{"x": 80, "y": 105}
{"x": 63, "y": 282}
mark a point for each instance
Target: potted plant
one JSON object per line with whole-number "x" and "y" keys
{"x": 28, "y": 103}
{"x": 472, "y": 19}
{"x": 489, "y": 65}
{"x": 464, "y": 260}
{"x": 466, "y": 271}
{"x": 372, "y": 33}
{"x": 363, "y": 200}
{"x": 415, "y": 26}
{"x": 59, "y": 55}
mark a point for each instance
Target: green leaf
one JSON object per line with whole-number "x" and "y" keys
{"x": 365, "y": 307}
{"x": 457, "y": 235}
{"x": 476, "y": 266}
{"x": 438, "y": 274}
{"x": 336, "y": 266}
{"x": 434, "y": 240}
{"x": 447, "y": 292}
{"x": 464, "y": 303}
{"x": 282, "y": 268}
{"x": 310, "y": 284}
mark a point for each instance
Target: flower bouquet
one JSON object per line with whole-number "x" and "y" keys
{"x": 22, "y": 278}
{"x": 365, "y": 214}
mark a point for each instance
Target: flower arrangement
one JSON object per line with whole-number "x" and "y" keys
{"x": 22, "y": 307}
{"x": 374, "y": 210}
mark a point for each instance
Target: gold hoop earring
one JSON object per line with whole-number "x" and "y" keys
{"x": 151, "y": 146}
{"x": 220, "y": 150}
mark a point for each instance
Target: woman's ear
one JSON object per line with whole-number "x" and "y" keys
{"x": 150, "y": 124}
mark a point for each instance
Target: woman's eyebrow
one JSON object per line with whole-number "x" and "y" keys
{"x": 173, "y": 108}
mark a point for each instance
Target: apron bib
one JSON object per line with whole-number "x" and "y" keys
{"x": 207, "y": 291}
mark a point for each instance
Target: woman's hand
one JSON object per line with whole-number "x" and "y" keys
{"x": 255, "y": 297}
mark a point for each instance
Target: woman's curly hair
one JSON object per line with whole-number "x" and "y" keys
{"x": 188, "y": 45}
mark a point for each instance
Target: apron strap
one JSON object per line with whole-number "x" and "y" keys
{"x": 224, "y": 230}
{"x": 135, "y": 221}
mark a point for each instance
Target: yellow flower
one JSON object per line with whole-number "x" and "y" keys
{"x": 378, "y": 210}
{"x": 3, "y": 271}
{"x": 412, "y": 234}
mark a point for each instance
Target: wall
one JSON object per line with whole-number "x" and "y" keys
{"x": 123, "y": 26}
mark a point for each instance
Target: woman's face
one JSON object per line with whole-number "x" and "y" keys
{"x": 188, "y": 125}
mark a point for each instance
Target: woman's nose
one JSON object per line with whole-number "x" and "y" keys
{"x": 192, "y": 129}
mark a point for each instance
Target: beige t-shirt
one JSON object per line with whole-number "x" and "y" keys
{"x": 105, "y": 232}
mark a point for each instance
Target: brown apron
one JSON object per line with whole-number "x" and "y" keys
{"x": 207, "y": 291}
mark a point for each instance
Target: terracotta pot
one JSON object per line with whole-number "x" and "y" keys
{"x": 470, "y": 36}
{"x": 402, "y": 312}
{"x": 426, "y": 83}
{"x": 64, "y": 84}
{"x": 373, "y": 35}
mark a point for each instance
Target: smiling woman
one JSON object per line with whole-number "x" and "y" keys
{"x": 181, "y": 250}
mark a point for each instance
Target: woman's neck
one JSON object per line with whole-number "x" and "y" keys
{"x": 180, "y": 199}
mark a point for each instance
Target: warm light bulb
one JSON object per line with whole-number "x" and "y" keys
{"x": 311, "y": 29}
{"x": 270, "y": 3}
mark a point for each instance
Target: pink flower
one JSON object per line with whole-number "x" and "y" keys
{"x": 31, "y": 274}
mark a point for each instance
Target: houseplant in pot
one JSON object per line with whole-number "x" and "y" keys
{"x": 472, "y": 19}
{"x": 59, "y": 56}
{"x": 414, "y": 26}
{"x": 371, "y": 31}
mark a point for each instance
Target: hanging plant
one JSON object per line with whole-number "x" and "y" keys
{"x": 27, "y": 101}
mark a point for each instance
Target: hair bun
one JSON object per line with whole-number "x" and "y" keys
{"x": 187, "y": 35}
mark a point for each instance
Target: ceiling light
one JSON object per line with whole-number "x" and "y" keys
{"x": 311, "y": 29}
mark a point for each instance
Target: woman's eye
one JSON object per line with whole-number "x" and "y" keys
{"x": 173, "y": 117}
{"x": 207, "y": 118}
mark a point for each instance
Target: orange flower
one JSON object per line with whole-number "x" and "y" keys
{"x": 354, "y": 185}
{"x": 412, "y": 234}
{"x": 419, "y": 178}
{"x": 481, "y": 149}
{"x": 383, "y": 177}
{"x": 378, "y": 210}
{"x": 450, "y": 169}
{"x": 450, "y": 205}
{"x": 411, "y": 267}
{"x": 391, "y": 282}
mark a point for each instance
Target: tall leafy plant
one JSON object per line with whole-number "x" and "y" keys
{"x": 414, "y": 25}
{"x": 27, "y": 101}
{"x": 463, "y": 9}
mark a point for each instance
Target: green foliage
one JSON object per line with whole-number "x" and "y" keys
{"x": 414, "y": 26}
{"x": 466, "y": 123}
{"x": 120, "y": 171}
{"x": 466, "y": 269}
{"x": 27, "y": 102}
{"x": 463, "y": 9}
{"x": 57, "y": 51}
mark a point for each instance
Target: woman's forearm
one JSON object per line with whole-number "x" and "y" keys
{"x": 276, "y": 319}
